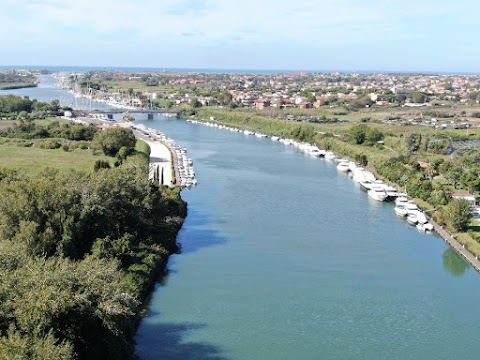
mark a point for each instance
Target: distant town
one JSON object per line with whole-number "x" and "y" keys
{"x": 439, "y": 101}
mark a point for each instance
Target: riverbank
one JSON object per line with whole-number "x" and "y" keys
{"x": 16, "y": 86}
{"x": 469, "y": 256}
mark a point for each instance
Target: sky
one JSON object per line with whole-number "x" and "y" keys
{"x": 345, "y": 35}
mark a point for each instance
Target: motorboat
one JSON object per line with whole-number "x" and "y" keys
{"x": 329, "y": 155}
{"x": 343, "y": 166}
{"x": 401, "y": 200}
{"x": 361, "y": 175}
{"x": 260, "y": 135}
{"x": 275, "y": 138}
{"x": 377, "y": 193}
{"x": 412, "y": 219}
{"x": 316, "y": 152}
{"x": 352, "y": 166}
{"x": 411, "y": 207}
{"x": 424, "y": 227}
{"x": 400, "y": 211}
{"x": 421, "y": 218}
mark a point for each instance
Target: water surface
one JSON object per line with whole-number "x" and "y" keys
{"x": 286, "y": 258}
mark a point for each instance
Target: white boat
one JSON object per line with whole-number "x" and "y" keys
{"x": 424, "y": 227}
{"x": 412, "y": 219}
{"x": 246, "y": 132}
{"x": 316, "y": 151}
{"x": 275, "y": 138}
{"x": 411, "y": 207}
{"x": 329, "y": 155}
{"x": 360, "y": 175}
{"x": 401, "y": 200}
{"x": 343, "y": 166}
{"x": 377, "y": 193}
{"x": 259, "y": 135}
{"x": 421, "y": 218}
{"x": 352, "y": 166}
{"x": 400, "y": 210}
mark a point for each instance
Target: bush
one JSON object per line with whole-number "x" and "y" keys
{"x": 112, "y": 140}
{"x": 48, "y": 144}
{"x": 101, "y": 164}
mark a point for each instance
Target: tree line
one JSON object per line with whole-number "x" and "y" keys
{"x": 78, "y": 255}
{"x": 80, "y": 252}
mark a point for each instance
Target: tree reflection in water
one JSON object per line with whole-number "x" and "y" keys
{"x": 454, "y": 263}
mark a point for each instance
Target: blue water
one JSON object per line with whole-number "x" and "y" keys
{"x": 47, "y": 90}
{"x": 285, "y": 258}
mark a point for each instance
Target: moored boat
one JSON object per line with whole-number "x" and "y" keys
{"x": 377, "y": 193}
{"x": 343, "y": 166}
{"x": 412, "y": 219}
{"x": 329, "y": 155}
{"x": 400, "y": 211}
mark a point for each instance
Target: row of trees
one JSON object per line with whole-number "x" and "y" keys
{"x": 27, "y": 129}
{"x": 78, "y": 254}
{"x": 15, "y": 105}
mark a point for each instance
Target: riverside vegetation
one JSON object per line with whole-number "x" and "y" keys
{"x": 12, "y": 79}
{"x": 80, "y": 250}
{"x": 416, "y": 159}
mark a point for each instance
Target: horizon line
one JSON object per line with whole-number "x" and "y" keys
{"x": 220, "y": 70}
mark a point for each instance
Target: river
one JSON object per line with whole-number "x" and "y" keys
{"x": 47, "y": 90}
{"x": 286, "y": 258}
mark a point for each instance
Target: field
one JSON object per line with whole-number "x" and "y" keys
{"x": 32, "y": 160}
{"x": 21, "y": 155}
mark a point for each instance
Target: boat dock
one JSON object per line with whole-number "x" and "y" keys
{"x": 459, "y": 248}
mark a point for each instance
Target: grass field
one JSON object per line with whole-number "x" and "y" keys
{"x": 49, "y": 121}
{"x": 31, "y": 160}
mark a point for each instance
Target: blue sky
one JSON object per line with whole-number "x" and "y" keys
{"x": 404, "y": 35}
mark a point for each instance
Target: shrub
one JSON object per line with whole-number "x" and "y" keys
{"x": 101, "y": 164}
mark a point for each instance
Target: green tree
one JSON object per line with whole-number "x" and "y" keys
{"x": 458, "y": 215}
{"x": 373, "y": 135}
{"x": 413, "y": 141}
{"x": 111, "y": 140}
{"x": 358, "y": 133}
{"x": 418, "y": 97}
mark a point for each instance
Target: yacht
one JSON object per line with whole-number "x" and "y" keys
{"x": 425, "y": 227}
{"x": 343, "y": 166}
{"x": 260, "y": 135}
{"x": 360, "y": 175}
{"x": 411, "y": 207}
{"x": 316, "y": 151}
{"x": 378, "y": 193}
{"x": 412, "y": 219}
{"x": 352, "y": 166}
{"x": 401, "y": 199}
{"x": 400, "y": 210}
{"x": 275, "y": 138}
{"x": 422, "y": 219}
{"x": 329, "y": 155}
